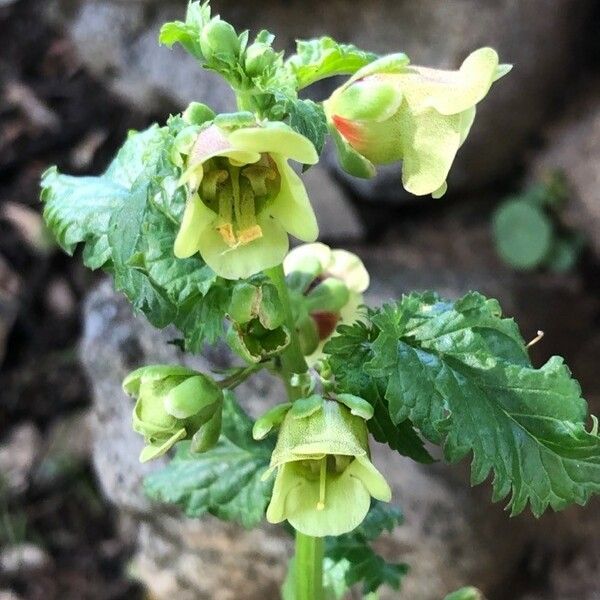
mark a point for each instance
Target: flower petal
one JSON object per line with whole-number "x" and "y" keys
{"x": 276, "y": 138}
{"x": 216, "y": 142}
{"x": 363, "y": 469}
{"x": 196, "y": 218}
{"x": 350, "y": 269}
{"x": 303, "y": 256}
{"x": 292, "y": 208}
{"x": 430, "y": 141}
{"x": 245, "y": 260}
{"x": 450, "y": 92}
{"x": 347, "y": 502}
{"x": 156, "y": 450}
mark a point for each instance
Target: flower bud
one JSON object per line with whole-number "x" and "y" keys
{"x": 172, "y": 404}
{"x": 325, "y": 289}
{"x": 390, "y": 111}
{"x": 325, "y": 478}
{"x": 259, "y": 57}
{"x": 219, "y": 42}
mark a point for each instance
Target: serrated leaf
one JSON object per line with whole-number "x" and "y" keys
{"x": 308, "y": 119}
{"x": 352, "y": 557}
{"x": 224, "y": 481}
{"x": 347, "y": 354}
{"x": 187, "y": 33}
{"x": 460, "y": 373}
{"x": 128, "y": 219}
{"x": 324, "y": 57}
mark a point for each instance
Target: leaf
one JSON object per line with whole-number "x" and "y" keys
{"x": 224, "y": 481}
{"x": 78, "y": 209}
{"x": 324, "y": 57}
{"x": 187, "y": 33}
{"x": 465, "y": 593}
{"x": 308, "y": 119}
{"x": 348, "y": 353}
{"x": 461, "y": 374}
{"x": 353, "y": 558}
{"x": 128, "y": 219}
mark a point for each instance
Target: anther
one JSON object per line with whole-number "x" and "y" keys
{"x": 536, "y": 339}
{"x": 322, "y": 483}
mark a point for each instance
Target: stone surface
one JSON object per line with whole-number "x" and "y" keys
{"x": 573, "y": 146}
{"x": 19, "y": 453}
{"x": 117, "y": 41}
{"x": 23, "y": 558}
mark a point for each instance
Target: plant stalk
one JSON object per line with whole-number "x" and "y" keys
{"x": 309, "y": 550}
{"x": 309, "y": 567}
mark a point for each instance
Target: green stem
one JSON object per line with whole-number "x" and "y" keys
{"x": 309, "y": 550}
{"x": 309, "y": 567}
{"x": 292, "y": 359}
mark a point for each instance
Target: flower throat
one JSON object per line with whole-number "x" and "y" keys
{"x": 238, "y": 194}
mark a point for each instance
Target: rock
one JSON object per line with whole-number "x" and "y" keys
{"x": 19, "y": 453}
{"x": 573, "y": 146}
{"x": 23, "y": 558}
{"x": 336, "y": 216}
{"x": 117, "y": 41}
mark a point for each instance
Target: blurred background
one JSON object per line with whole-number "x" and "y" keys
{"x": 521, "y": 222}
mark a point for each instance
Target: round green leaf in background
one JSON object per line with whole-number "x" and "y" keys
{"x": 523, "y": 234}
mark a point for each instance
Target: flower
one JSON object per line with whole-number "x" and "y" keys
{"x": 391, "y": 111}
{"x": 174, "y": 403}
{"x": 244, "y": 198}
{"x": 326, "y": 289}
{"x": 325, "y": 478}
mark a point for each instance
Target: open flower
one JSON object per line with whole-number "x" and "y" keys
{"x": 391, "y": 111}
{"x": 174, "y": 403}
{"x": 326, "y": 289}
{"x": 244, "y": 198}
{"x": 325, "y": 478}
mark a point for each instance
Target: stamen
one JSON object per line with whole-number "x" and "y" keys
{"x": 322, "y": 483}
{"x": 258, "y": 175}
{"x": 225, "y": 226}
{"x": 536, "y": 339}
{"x": 245, "y": 215}
{"x": 210, "y": 182}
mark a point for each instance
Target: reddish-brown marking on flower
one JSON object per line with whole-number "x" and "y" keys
{"x": 349, "y": 130}
{"x": 326, "y": 323}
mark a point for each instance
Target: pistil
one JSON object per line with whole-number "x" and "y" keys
{"x": 322, "y": 483}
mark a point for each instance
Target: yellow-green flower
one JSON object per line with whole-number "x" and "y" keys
{"x": 326, "y": 288}
{"x": 325, "y": 478}
{"x": 174, "y": 403}
{"x": 391, "y": 111}
{"x": 244, "y": 198}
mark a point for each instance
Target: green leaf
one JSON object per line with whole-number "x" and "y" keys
{"x": 348, "y": 354}
{"x": 128, "y": 219}
{"x": 224, "y": 481}
{"x": 461, "y": 374}
{"x": 187, "y": 33}
{"x": 353, "y": 558}
{"x": 78, "y": 209}
{"x": 465, "y": 593}
{"x": 307, "y": 118}
{"x": 523, "y": 234}
{"x": 324, "y": 57}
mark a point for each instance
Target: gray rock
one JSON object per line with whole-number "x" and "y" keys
{"x": 573, "y": 146}
{"x": 117, "y": 41}
{"x": 19, "y": 453}
{"x": 23, "y": 558}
